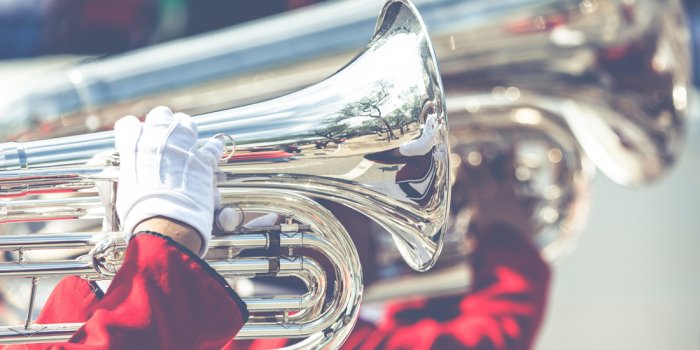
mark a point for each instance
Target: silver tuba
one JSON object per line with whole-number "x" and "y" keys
{"x": 601, "y": 82}
{"x": 287, "y": 150}
{"x": 612, "y": 74}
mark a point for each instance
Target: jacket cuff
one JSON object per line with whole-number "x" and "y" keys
{"x": 205, "y": 268}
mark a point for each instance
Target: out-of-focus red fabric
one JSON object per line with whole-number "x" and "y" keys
{"x": 503, "y": 312}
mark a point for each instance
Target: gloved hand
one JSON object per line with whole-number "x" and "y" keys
{"x": 162, "y": 173}
{"x": 425, "y": 142}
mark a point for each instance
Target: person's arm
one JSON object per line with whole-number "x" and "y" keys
{"x": 163, "y": 296}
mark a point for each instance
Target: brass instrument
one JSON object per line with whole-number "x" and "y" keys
{"x": 605, "y": 80}
{"x": 613, "y": 73}
{"x": 394, "y": 78}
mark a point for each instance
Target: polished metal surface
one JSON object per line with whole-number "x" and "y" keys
{"x": 288, "y": 151}
{"x": 379, "y": 101}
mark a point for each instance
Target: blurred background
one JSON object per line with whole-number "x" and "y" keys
{"x": 632, "y": 281}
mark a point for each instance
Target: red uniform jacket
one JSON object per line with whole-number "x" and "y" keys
{"x": 164, "y": 297}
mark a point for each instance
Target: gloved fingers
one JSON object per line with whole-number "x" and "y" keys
{"x": 187, "y": 122}
{"x": 160, "y": 115}
{"x": 212, "y": 150}
{"x": 127, "y": 131}
{"x": 162, "y": 167}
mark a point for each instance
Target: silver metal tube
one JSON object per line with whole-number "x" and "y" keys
{"x": 32, "y": 299}
{"x": 50, "y": 241}
{"x": 47, "y": 269}
{"x": 241, "y": 241}
{"x": 331, "y": 235}
{"x": 89, "y": 239}
{"x": 239, "y": 267}
{"x": 50, "y": 209}
{"x": 44, "y": 333}
{"x": 315, "y": 280}
{"x": 257, "y": 330}
{"x": 248, "y": 267}
{"x": 309, "y": 272}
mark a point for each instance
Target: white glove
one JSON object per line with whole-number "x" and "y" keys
{"x": 162, "y": 173}
{"x": 425, "y": 142}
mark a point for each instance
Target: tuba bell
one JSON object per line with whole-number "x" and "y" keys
{"x": 287, "y": 151}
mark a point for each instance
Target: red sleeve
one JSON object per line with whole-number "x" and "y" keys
{"x": 504, "y": 311}
{"x": 163, "y": 297}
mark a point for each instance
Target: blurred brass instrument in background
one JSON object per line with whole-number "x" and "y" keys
{"x": 570, "y": 85}
{"x": 567, "y": 84}
{"x": 615, "y": 71}
{"x": 395, "y": 76}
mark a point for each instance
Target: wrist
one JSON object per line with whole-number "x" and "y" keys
{"x": 170, "y": 204}
{"x": 180, "y": 232}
